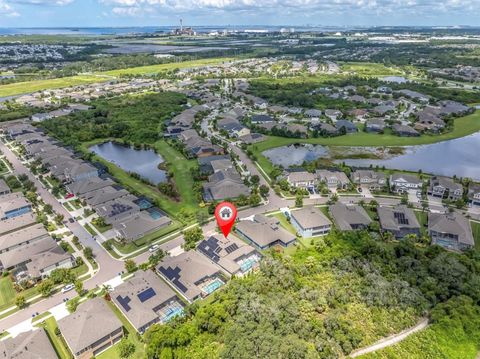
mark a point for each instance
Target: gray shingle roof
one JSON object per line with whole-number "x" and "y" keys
{"x": 92, "y": 321}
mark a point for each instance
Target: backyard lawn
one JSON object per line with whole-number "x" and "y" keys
{"x": 112, "y": 352}
{"x": 58, "y": 342}
{"x": 7, "y": 293}
{"x": 476, "y": 234}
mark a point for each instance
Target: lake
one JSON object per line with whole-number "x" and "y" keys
{"x": 454, "y": 157}
{"x": 143, "y": 162}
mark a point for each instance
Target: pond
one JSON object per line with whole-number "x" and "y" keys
{"x": 454, "y": 157}
{"x": 143, "y": 162}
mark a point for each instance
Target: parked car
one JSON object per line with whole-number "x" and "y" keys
{"x": 71, "y": 220}
{"x": 69, "y": 195}
{"x": 68, "y": 288}
{"x": 153, "y": 248}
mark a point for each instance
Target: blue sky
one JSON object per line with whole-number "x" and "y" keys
{"x": 62, "y": 13}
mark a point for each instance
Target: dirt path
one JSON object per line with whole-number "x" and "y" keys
{"x": 391, "y": 340}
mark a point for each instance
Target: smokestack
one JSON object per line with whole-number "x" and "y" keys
{"x": 181, "y": 25}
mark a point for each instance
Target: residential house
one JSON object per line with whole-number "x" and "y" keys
{"x": 333, "y": 179}
{"x": 399, "y": 220}
{"x": 324, "y": 129}
{"x": 17, "y": 223}
{"x": 91, "y": 329}
{"x": 4, "y": 189}
{"x": 474, "y": 194}
{"x": 310, "y": 222}
{"x": 333, "y": 114}
{"x": 117, "y": 210}
{"x": 252, "y": 138}
{"x": 376, "y": 125}
{"x": 402, "y": 183}
{"x": 373, "y": 180}
{"x": 33, "y": 344}
{"x": 192, "y": 275}
{"x": 257, "y": 119}
{"x": 141, "y": 224}
{"x": 233, "y": 255}
{"x": 145, "y": 299}
{"x": 224, "y": 184}
{"x": 443, "y": 187}
{"x": 451, "y": 231}
{"x": 301, "y": 179}
{"x": 349, "y": 217}
{"x": 265, "y": 232}
{"x": 347, "y": 125}
{"x": 313, "y": 113}
{"x": 405, "y": 131}
{"x": 13, "y": 205}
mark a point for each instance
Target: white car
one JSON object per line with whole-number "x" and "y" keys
{"x": 153, "y": 248}
{"x": 68, "y": 288}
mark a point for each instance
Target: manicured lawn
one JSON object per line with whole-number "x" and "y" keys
{"x": 372, "y": 69}
{"x": 422, "y": 218}
{"x": 132, "y": 334}
{"x": 178, "y": 165}
{"x": 181, "y": 168}
{"x": 286, "y": 224}
{"x": 3, "y": 168}
{"x": 58, "y": 342}
{"x": 90, "y": 229}
{"x": 476, "y": 234}
{"x": 102, "y": 229}
{"x": 463, "y": 126}
{"x": 7, "y": 292}
{"x": 68, "y": 206}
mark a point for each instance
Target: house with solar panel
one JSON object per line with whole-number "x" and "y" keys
{"x": 192, "y": 275}
{"x": 233, "y": 255}
{"x": 399, "y": 220}
{"x": 145, "y": 299}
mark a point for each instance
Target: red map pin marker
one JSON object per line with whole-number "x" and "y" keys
{"x": 225, "y": 213}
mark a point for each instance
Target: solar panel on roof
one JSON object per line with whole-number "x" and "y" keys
{"x": 146, "y": 294}
{"x": 400, "y": 217}
{"x": 173, "y": 274}
{"x": 124, "y": 302}
{"x": 231, "y": 248}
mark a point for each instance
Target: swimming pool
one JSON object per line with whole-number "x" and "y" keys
{"x": 155, "y": 213}
{"x": 248, "y": 264}
{"x": 213, "y": 286}
{"x": 171, "y": 313}
{"x": 144, "y": 203}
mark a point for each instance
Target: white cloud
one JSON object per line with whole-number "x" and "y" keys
{"x": 299, "y": 7}
{"x": 42, "y": 2}
{"x": 7, "y": 10}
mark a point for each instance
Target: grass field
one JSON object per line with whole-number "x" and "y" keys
{"x": 142, "y": 70}
{"x": 39, "y": 85}
{"x": 463, "y": 126}
{"x": 371, "y": 69}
